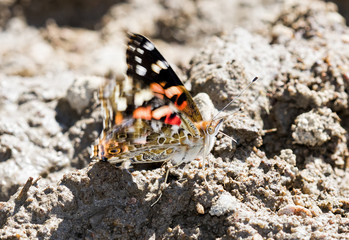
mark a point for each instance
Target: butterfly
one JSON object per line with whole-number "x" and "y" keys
{"x": 150, "y": 116}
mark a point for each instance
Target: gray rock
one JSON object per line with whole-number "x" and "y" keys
{"x": 224, "y": 204}
{"x": 316, "y": 127}
{"x": 81, "y": 92}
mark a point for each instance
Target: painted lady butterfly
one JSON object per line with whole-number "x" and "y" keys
{"x": 150, "y": 116}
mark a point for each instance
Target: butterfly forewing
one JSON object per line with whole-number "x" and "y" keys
{"x": 147, "y": 65}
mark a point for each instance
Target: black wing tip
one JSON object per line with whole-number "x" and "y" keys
{"x": 136, "y": 37}
{"x": 135, "y": 41}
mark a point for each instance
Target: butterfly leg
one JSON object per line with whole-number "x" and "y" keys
{"x": 204, "y": 171}
{"x": 163, "y": 185}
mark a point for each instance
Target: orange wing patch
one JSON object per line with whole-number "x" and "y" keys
{"x": 173, "y": 91}
{"x": 161, "y": 112}
{"x": 167, "y": 113}
{"x": 177, "y": 94}
{"x": 118, "y": 118}
{"x": 158, "y": 90}
{"x": 143, "y": 113}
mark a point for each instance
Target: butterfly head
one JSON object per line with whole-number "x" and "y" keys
{"x": 211, "y": 128}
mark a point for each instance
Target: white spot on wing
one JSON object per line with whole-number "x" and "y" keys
{"x": 156, "y": 126}
{"x": 132, "y": 48}
{"x": 138, "y": 59}
{"x": 162, "y": 64}
{"x": 140, "y": 140}
{"x": 142, "y": 96}
{"x": 121, "y": 103}
{"x": 140, "y": 70}
{"x": 149, "y": 46}
{"x": 155, "y": 68}
{"x": 174, "y": 128}
{"x": 139, "y": 50}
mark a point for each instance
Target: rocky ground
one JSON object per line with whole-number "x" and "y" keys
{"x": 285, "y": 177}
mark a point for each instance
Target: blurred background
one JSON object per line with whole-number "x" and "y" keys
{"x": 88, "y": 36}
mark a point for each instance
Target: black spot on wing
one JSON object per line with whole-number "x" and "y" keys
{"x": 173, "y": 115}
{"x": 181, "y": 99}
{"x": 173, "y": 98}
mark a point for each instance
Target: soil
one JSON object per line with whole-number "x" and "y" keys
{"x": 279, "y": 171}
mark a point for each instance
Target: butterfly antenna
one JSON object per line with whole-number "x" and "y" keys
{"x": 237, "y": 97}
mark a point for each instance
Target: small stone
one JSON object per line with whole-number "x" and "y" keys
{"x": 200, "y": 209}
{"x": 224, "y": 204}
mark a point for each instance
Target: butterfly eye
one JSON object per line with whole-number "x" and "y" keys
{"x": 114, "y": 151}
{"x": 210, "y": 130}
